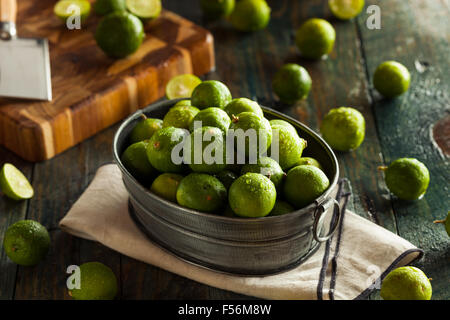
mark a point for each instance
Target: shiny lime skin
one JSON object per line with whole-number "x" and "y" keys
{"x": 267, "y": 167}
{"x": 202, "y": 156}
{"x": 250, "y": 15}
{"x": 211, "y": 117}
{"x": 183, "y": 103}
{"x": 103, "y": 7}
{"x": 145, "y": 129}
{"x": 26, "y": 242}
{"x": 215, "y": 9}
{"x": 304, "y": 184}
{"x": 252, "y": 195}
{"x": 275, "y": 122}
{"x": 343, "y": 128}
{"x": 262, "y": 132}
{"x": 290, "y": 146}
{"x": 407, "y": 178}
{"x": 98, "y": 282}
{"x": 166, "y": 185}
{"x": 391, "y": 79}
{"x": 211, "y": 93}
{"x": 180, "y": 116}
{"x": 160, "y": 146}
{"x": 202, "y": 192}
{"x": 280, "y": 208}
{"x": 406, "y": 283}
{"x": 308, "y": 161}
{"x": 135, "y": 159}
{"x": 291, "y": 83}
{"x": 315, "y": 38}
{"x": 239, "y": 105}
{"x": 119, "y": 34}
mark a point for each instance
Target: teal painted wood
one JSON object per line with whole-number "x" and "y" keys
{"x": 416, "y": 123}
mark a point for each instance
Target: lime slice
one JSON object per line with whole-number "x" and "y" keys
{"x": 182, "y": 86}
{"x": 66, "y": 8}
{"x": 144, "y": 9}
{"x": 346, "y": 9}
{"x": 14, "y": 184}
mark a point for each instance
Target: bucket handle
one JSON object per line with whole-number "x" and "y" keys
{"x": 321, "y": 209}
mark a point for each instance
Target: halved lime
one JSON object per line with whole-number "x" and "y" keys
{"x": 14, "y": 184}
{"x": 144, "y": 9}
{"x": 346, "y": 9}
{"x": 64, "y": 9}
{"x": 181, "y": 86}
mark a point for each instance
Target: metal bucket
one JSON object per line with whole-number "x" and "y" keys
{"x": 247, "y": 246}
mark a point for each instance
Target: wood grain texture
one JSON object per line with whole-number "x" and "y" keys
{"x": 91, "y": 91}
{"x": 246, "y": 63}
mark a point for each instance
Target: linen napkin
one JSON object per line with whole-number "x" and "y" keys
{"x": 348, "y": 266}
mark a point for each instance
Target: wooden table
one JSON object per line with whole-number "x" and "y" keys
{"x": 417, "y": 124}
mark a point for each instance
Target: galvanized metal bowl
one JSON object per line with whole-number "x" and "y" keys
{"x": 253, "y": 246}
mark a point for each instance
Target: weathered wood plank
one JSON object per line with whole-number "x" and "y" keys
{"x": 10, "y": 212}
{"x": 416, "y": 33}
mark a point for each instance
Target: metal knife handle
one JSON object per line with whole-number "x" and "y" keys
{"x": 8, "y": 12}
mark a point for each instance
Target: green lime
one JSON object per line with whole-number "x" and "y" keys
{"x": 250, "y": 15}
{"x": 145, "y": 129}
{"x": 144, "y": 9}
{"x": 291, "y": 83}
{"x": 104, "y": 7}
{"x": 275, "y": 122}
{"x": 407, "y": 178}
{"x": 304, "y": 184}
{"x": 391, "y": 79}
{"x": 227, "y": 178}
{"x": 346, "y": 9}
{"x": 446, "y": 222}
{"x": 252, "y": 195}
{"x": 182, "y": 86}
{"x": 215, "y": 9}
{"x": 315, "y": 38}
{"x": 26, "y": 242}
{"x": 166, "y": 185}
{"x": 202, "y": 192}
{"x": 135, "y": 159}
{"x": 161, "y": 146}
{"x": 239, "y": 105}
{"x": 180, "y": 117}
{"x": 343, "y": 128}
{"x": 253, "y": 134}
{"x": 308, "y": 161}
{"x": 183, "y": 103}
{"x": 64, "y": 9}
{"x": 280, "y": 208}
{"x": 14, "y": 184}
{"x": 290, "y": 146}
{"x": 267, "y": 167}
{"x": 211, "y": 93}
{"x": 97, "y": 282}
{"x": 406, "y": 283}
{"x": 207, "y": 150}
{"x": 119, "y": 34}
{"x": 211, "y": 117}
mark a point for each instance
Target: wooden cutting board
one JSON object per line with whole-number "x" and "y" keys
{"x": 90, "y": 90}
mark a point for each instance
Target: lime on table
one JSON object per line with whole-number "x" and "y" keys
{"x": 182, "y": 86}
{"x": 144, "y": 9}
{"x": 64, "y": 9}
{"x": 406, "y": 283}
{"x": 346, "y": 9}
{"x": 119, "y": 34}
{"x": 250, "y": 15}
{"x": 215, "y": 9}
{"x": 391, "y": 79}
{"x": 103, "y": 7}
{"x": 291, "y": 83}
{"x": 315, "y": 38}
{"x": 26, "y": 242}
{"x": 14, "y": 184}
{"x": 98, "y": 282}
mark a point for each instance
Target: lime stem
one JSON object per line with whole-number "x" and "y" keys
{"x": 439, "y": 221}
{"x": 143, "y": 116}
{"x": 234, "y": 118}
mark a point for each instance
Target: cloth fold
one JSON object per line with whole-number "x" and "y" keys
{"x": 348, "y": 266}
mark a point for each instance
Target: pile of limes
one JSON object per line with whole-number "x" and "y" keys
{"x": 244, "y": 179}
{"x": 121, "y": 31}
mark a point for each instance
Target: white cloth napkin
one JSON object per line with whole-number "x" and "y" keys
{"x": 348, "y": 266}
